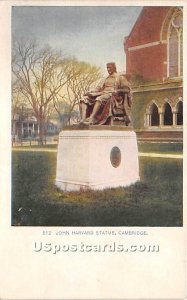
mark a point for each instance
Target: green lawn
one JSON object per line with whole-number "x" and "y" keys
{"x": 155, "y": 201}
{"x": 174, "y": 148}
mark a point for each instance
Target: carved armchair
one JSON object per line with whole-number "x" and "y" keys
{"x": 121, "y": 107}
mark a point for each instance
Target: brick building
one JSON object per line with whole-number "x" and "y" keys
{"x": 154, "y": 59}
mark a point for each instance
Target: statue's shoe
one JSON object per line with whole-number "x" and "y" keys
{"x": 76, "y": 122}
{"x": 90, "y": 121}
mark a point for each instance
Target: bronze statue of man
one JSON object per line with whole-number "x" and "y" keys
{"x": 92, "y": 102}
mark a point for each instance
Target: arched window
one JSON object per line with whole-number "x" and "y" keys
{"x": 154, "y": 115}
{"x": 168, "y": 116}
{"x": 180, "y": 113}
{"x": 173, "y": 53}
{"x": 175, "y": 45}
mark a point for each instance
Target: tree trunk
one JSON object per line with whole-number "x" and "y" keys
{"x": 41, "y": 123}
{"x": 40, "y": 140}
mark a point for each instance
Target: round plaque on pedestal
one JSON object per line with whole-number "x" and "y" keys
{"x": 115, "y": 157}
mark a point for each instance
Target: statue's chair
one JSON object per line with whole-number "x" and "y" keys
{"x": 121, "y": 107}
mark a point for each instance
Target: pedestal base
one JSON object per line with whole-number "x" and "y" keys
{"x": 96, "y": 159}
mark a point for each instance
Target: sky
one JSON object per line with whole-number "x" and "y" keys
{"x": 93, "y": 34}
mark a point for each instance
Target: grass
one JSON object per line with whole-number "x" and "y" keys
{"x": 155, "y": 201}
{"x": 174, "y": 148}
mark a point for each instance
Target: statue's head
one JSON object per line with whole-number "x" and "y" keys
{"x": 111, "y": 67}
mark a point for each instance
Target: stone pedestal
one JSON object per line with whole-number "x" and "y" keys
{"x": 96, "y": 157}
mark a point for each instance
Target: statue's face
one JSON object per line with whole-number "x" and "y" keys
{"x": 110, "y": 69}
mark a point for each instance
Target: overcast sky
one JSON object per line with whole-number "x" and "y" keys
{"x": 93, "y": 34}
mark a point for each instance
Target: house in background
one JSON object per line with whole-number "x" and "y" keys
{"x": 28, "y": 127}
{"x": 154, "y": 58}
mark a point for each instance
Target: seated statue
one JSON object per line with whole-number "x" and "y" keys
{"x": 97, "y": 107}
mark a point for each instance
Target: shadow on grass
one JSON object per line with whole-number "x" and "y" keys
{"x": 155, "y": 201}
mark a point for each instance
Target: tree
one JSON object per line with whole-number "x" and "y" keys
{"x": 40, "y": 75}
{"x": 81, "y": 76}
{"x": 17, "y": 100}
{"x": 19, "y": 109}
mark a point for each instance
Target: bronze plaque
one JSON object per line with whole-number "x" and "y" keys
{"x": 115, "y": 157}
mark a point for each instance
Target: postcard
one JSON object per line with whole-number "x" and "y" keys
{"x": 91, "y": 150}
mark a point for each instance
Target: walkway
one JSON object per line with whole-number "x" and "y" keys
{"x": 27, "y": 149}
{"x": 142, "y": 154}
{"x": 161, "y": 155}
